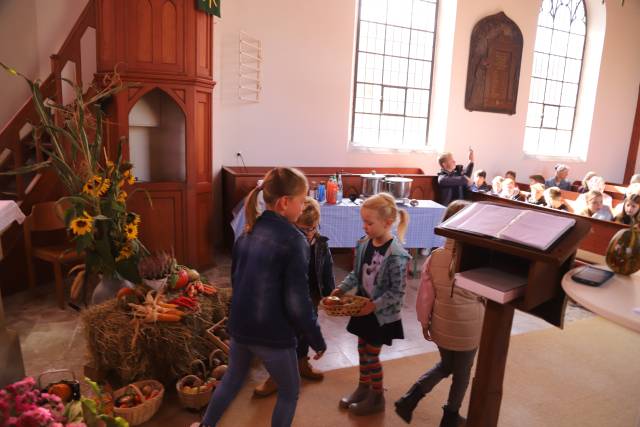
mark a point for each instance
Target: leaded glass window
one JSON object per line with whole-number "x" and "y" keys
{"x": 555, "y": 79}
{"x": 394, "y": 64}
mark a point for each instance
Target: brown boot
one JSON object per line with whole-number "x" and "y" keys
{"x": 358, "y": 395}
{"x": 372, "y": 404}
{"x": 306, "y": 370}
{"x": 267, "y": 388}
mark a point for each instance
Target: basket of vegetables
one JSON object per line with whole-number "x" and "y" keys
{"x": 346, "y": 305}
{"x": 138, "y": 401}
{"x": 195, "y": 391}
{"x": 219, "y": 336}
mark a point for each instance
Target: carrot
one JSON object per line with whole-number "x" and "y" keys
{"x": 166, "y": 305}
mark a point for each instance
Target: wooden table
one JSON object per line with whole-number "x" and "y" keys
{"x": 615, "y": 299}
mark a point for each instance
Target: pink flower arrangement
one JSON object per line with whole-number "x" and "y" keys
{"x": 23, "y": 405}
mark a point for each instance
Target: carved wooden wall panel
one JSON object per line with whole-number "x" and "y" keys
{"x": 493, "y": 71}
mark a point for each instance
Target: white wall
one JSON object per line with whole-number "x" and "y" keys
{"x": 303, "y": 118}
{"x": 30, "y": 32}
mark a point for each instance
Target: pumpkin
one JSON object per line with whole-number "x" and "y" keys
{"x": 62, "y": 390}
{"x": 623, "y": 253}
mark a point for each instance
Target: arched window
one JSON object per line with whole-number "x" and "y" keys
{"x": 393, "y": 73}
{"x": 555, "y": 79}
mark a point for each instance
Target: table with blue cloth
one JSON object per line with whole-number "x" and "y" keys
{"x": 342, "y": 224}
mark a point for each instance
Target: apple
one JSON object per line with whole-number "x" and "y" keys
{"x": 332, "y": 300}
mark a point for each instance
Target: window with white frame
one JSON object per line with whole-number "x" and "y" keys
{"x": 555, "y": 79}
{"x": 393, "y": 73}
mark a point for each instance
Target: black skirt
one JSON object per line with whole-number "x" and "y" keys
{"x": 368, "y": 328}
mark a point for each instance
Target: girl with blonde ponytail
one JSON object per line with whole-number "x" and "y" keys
{"x": 271, "y": 302}
{"x": 380, "y": 275}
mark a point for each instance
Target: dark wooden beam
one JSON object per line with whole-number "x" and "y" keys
{"x": 632, "y": 157}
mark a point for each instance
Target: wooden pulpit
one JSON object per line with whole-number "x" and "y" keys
{"x": 543, "y": 297}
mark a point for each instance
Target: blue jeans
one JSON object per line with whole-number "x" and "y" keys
{"x": 282, "y": 365}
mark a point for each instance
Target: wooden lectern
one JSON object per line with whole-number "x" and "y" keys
{"x": 543, "y": 297}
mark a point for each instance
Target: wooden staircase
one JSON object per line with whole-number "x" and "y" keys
{"x": 19, "y": 147}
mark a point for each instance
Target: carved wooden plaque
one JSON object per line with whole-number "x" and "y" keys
{"x": 494, "y": 65}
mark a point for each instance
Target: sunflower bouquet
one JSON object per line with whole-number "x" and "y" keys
{"x": 95, "y": 210}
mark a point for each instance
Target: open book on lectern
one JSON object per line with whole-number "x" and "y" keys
{"x": 527, "y": 227}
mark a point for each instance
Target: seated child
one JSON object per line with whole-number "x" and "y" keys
{"x": 553, "y": 198}
{"x": 480, "y": 182}
{"x": 536, "y": 195}
{"x": 595, "y": 208}
{"x": 583, "y": 186}
{"x": 452, "y": 179}
{"x": 496, "y": 185}
{"x": 533, "y": 179}
{"x": 560, "y": 178}
{"x": 510, "y": 175}
{"x": 321, "y": 284}
{"x": 595, "y": 183}
{"x": 630, "y": 210}
{"x": 452, "y": 318}
{"x": 509, "y": 189}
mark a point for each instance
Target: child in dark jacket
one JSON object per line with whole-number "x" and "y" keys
{"x": 379, "y": 275}
{"x": 271, "y": 301}
{"x": 452, "y": 180}
{"x": 321, "y": 284}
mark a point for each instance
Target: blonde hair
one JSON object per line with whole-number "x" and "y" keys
{"x": 537, "y": 187}
{"x": 592, "y": 194}
{"x": 385, "y": 206}
{"x": 587, "y": 177}
{"x": 310, "y": 212}
{"x": 443, "y": 157}
{"x": 552, "y": 194}
{"x": 277, "y": 183}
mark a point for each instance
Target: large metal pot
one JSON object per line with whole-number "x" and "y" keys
{"x": 372, "y": 183}
{"x": 399, "y": 187}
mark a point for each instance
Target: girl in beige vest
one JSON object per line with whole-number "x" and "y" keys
{"x": 452, "y": 318}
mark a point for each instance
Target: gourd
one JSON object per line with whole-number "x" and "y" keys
{"x": 623, "y": 253}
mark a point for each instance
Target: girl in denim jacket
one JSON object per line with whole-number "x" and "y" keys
{"x": 380, "y": 275}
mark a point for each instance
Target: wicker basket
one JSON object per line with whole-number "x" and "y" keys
{"x": 144, "y": 411}
{"x": 350, "y": 306}
{"x": 195, "y": 400}
{"x": 214, "y": 339}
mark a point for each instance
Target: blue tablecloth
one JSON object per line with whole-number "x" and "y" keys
{"x": 343, "y": 226}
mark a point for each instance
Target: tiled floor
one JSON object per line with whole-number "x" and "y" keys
{"x": 53, "y": 338}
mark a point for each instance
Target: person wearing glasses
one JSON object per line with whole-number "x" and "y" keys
{"x": 321, "y": 284}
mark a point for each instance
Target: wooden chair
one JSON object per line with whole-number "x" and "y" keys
{"x": 46, "y": 217}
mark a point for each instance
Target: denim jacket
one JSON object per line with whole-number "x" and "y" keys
{"x": 270, "y": 303}
{"x": 388, "y": 289}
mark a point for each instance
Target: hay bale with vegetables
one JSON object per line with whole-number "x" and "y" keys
{"x": 127, "y": 349}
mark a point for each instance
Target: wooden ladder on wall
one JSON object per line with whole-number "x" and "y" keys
{"x": 18, "y": 148}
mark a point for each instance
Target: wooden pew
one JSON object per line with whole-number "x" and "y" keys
{"x": 596, "y": 241}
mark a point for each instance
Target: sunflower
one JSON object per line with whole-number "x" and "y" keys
{"x": 104, "y": 187}
{"x": 125, "y": 252}
{"x": 131, "y": 231}
{"x": 93, "y": 186}
{"x": 133, "y": 218}
{"x": 122, "y": 197}
{"x": 82, "y": 225}
{"x": 128, "y": 177}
